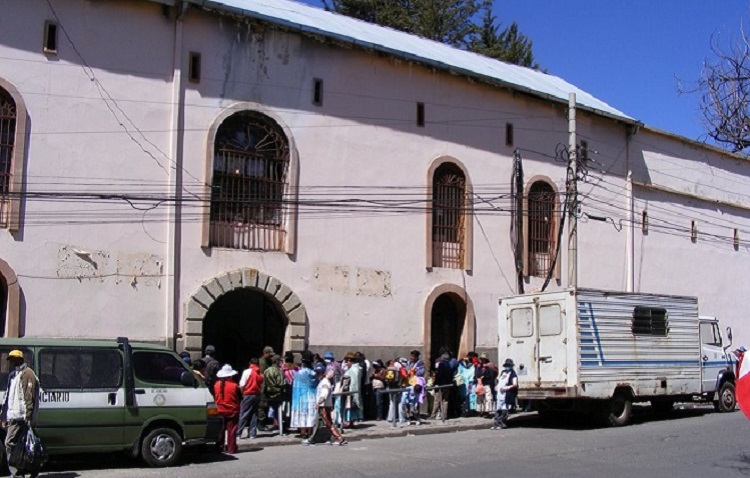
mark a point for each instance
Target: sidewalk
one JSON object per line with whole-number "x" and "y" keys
{"x": 379, "y": 429}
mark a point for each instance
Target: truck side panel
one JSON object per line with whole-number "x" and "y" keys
{"x": 616, "y": 350}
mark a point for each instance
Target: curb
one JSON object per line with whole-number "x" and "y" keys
{"x": 353, "y": 436}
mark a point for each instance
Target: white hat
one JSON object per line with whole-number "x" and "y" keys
{"x": 226, "y": 371}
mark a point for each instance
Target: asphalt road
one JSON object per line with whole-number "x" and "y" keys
{"x": 690, "y": 443}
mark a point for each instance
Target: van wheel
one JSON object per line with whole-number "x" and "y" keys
{"x": 617, "y": 410}
{"x": 161, "y": 447}
{"x": 726, "y": 400}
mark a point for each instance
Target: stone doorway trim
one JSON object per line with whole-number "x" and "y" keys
{"x": 467, "y": 341}
{"x": 295, "y": 315}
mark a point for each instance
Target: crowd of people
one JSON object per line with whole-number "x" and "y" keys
{"x": 281, "y": 393}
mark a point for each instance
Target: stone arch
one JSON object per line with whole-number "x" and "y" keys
{"x": 297, "y": 329}
{"x": 13, "y": 300}
{"x": 467, "y": 341}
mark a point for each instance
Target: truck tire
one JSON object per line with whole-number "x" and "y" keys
{"x": 725, "y": 400}
{"x": 662, "y": 406}
{"x": 617, "y": 410}
{"x": 161, "y": 447}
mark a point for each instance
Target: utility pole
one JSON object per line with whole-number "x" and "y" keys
{"x": 572, "y": 190}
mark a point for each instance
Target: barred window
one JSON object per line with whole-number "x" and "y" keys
{"x": 251, "y": 162}
{"x": 448, "y": 217}
{"x": 7, "y": 143}
{"x": 541, "y": 231}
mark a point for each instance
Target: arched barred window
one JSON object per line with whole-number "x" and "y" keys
{"x": 250, "y": 174}
{"x": 448, "y": 217}
{"x": 542, "y": 228}
{"x": 8, "y": 118}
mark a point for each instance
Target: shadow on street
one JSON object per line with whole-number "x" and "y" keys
{"x": 60, "y": 466}
{"x": 582, "y": 421}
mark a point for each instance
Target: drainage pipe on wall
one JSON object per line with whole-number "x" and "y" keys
{"x": 629, "y": 213}
{"x": 175, "y": 185}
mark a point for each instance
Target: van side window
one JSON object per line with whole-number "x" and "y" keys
{"x": 651, "y": 321}
{"x": 79, "y": 369}
{"x": 4, "y": 365}
{"x": 158, "y": 367}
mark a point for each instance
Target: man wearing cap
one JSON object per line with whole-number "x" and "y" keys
{"x": 251, "y": 384}
{"x": 740, "y": 354}
{"x": 264, "y": 361}
{"x": 332, "y": 364}
{"x": 275, "y": 386}
{"x": 507, "y": 392}
{"x": 212, "y": 367}
{"x": 443, "y": 377}
{"x": 21, "y": 402}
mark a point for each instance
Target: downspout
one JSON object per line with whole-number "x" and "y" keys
{"x": 629, "y": 213}
{"x": 175, "y": 185}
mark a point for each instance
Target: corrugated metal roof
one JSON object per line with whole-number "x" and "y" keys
{"x": 308, "y": 19}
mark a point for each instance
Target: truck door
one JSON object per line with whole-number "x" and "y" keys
{"x": 521, "y": 343}
{"x": 552, "y": 350}
{"x": 536, "y": 341}
{"x": 713, "y": 358}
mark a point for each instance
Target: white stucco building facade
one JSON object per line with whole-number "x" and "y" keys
{"x": 248, "y": 173}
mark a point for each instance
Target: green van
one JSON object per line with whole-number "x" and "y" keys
{"x": 110, "y": 395}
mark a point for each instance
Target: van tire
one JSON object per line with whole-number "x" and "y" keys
{"x": 161, "y": 447}
{"x": 726, "y": 400}
{"x": 617, "y": 410}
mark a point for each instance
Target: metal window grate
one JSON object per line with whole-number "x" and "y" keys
{"x": 541, "y": 228}
{"x": 651, "y": 321}
{"x": 251, "y": 160}
{"x": 7, "y": 143}
{"x": 448, "y": 217}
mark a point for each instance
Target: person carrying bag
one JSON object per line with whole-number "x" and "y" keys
{"x": 22, "y": 446}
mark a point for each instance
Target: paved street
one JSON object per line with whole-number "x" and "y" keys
{"x": 692, "y": 443}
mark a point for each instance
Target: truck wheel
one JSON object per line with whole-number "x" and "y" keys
{"x": 726, "y": 400}
{"x": 662, "y": 406}
{"x": 161, "y": 447}
{"x": 617, "y": 410}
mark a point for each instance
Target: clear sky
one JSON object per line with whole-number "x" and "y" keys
{"x": 631, "y": 53}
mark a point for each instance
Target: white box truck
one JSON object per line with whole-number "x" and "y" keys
{"x": 597, "y": 351}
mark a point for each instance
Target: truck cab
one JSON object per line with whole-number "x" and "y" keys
{"x": 717, "y": 370}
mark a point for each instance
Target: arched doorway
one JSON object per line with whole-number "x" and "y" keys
{"x": 241, "y": 312}
{"x": 447, "y": 317}
{"x": 10, "y": 302}
{"x": 3, "y": 305}
{"x": 240, "y": 323}
{"x": 448, "y": 321}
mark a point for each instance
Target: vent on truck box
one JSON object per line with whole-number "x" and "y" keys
{"x": 650, "y": 321}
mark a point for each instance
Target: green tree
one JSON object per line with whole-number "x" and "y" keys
{"x": 453, "y": 22}
{"x": 508, "y": 45}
